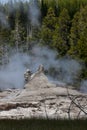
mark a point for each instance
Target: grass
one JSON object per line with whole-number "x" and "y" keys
{"x": 42, "y": 124}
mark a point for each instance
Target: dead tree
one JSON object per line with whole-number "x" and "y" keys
{"x": 78, "y": 103}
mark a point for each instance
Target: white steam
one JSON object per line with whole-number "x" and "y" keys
{"x": 34, "y": 13}
{"x": 63, "y": 69}
{"x": 83, "y": 86}
{"x": 12, "y": 75}
{"x": 3, "y": 20}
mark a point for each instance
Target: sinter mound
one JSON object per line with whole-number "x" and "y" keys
{"x": 41, "y": 98}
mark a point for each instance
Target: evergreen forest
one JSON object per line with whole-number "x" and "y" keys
{"x": 59, "y": 24}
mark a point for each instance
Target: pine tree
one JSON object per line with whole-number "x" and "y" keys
{"x": 43, "y": 9}
{"x": 10, "y": 10}
{"x": 82, "y": 46}
{"x": 79, "y": 25}
{"x": 18, "y": 35}
{"x": 61, "y": 34}
{"x": 48, "y": 27}
{"x": 50, "y": 20}
{"x": 74, "y": 34}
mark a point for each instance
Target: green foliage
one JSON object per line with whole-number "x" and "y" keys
{"x": 50, "y": 19}
{"x": 74, "y": 34}
{"x": 63, "y": 26}
{"x": 43, "y": 9}
{"x": 82, "y": 46}
{"x": 4, "y": 35}
{"x": 61, "y": 33}
{"x": 48, "y": 27}
{"x": 18, "y": 35}
{"x": 78, "y": 35}
{"x": 71, "y": 5}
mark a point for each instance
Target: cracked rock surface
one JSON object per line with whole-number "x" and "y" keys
{"x": 41, "y": 98}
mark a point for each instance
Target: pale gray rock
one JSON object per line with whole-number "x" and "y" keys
{"x": 40, "y": 98}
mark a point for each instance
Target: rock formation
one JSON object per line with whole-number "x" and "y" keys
{"x": 41, "y": 98}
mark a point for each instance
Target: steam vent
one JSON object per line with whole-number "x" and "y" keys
{"x": 37, "y": 80}
{"x": 41, "y": 98}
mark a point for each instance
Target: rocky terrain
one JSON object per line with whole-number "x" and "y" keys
{"x": 41, "y": 98}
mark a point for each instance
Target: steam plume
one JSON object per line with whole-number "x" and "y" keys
{"x": 12, "y": 75}
{"x": 3, "y": 20}
{"x": 83, "y": 86}
{"x": 34, "y": 13}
